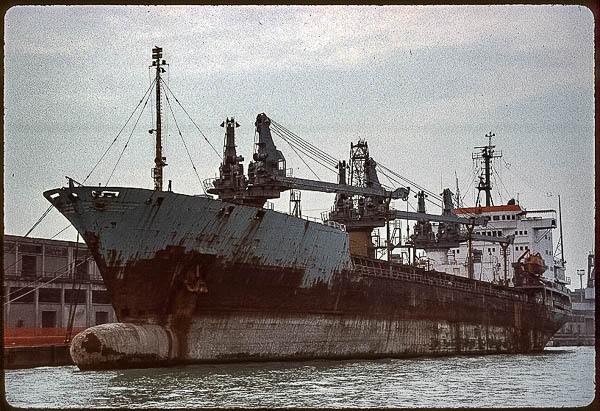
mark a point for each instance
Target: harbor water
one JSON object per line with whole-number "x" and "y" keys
{"x": 557, "y": 377}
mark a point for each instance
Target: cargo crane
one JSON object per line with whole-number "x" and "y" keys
{"x": 361, "y": 204}
{"x": 267, "y": 173}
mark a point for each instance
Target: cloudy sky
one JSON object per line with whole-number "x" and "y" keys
{"x": 423, "y": 85}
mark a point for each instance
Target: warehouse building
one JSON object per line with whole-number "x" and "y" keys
{"x": 45, "y": 280}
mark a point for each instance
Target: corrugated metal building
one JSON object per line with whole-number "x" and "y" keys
{"x": 44, "y": 279}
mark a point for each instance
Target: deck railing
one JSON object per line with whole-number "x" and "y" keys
{"x": 376, "y": 268}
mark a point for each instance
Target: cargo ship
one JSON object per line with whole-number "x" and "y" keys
{"x": 220, "y": 277}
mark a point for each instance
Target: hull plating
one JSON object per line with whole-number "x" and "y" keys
{"x": 220, "y": 282}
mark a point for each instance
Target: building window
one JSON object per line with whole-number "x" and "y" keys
{"x": 70, "y": 296}
{"x": 496, "y": 217}
{"x": 29, "y": 265}
{"x": 56, "y": 251}
{"x": 30, "y": 248}
{"x": 49, "y": 295}
{"x": 457, "y": 251}
{"x": 512, "y": 217}
{"x": 81, "y": 269}
{"x": 21, "y": 295}
{"x": 100, "y": 297}
{"x": 504, "y": 217}
{"x": 527, "y": 247}
{"x": 494, "y": 250}
{"x": 525, "y": 232}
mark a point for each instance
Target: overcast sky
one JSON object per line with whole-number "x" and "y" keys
{"x": 423, "y": 85}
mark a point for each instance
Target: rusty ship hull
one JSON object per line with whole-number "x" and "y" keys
{"x": 194, "y": 279}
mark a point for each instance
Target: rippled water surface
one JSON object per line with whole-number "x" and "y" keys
{"x": 557, "y": 377}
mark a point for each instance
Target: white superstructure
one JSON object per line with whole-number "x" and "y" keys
{"x": 532, "y": 232}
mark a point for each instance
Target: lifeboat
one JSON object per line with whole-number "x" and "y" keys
{"x": 535, "y": 264}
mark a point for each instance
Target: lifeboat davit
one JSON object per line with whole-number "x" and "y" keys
{"x": 535, "y": 264}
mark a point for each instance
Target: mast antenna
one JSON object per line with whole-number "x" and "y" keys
{"x": 457, "y": 191}
{"x": 486, "y": 155}
{"x": 159, "y": 160}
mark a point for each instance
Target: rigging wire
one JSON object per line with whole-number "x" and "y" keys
{"x": 60, "y": 231}
{"x": 305, "y": 148}
{"x": 300, "y": 157}
{"x": 325, "y": 157}
{"x": 45, "y": 213}
{"x": 151, "y": 105}
{"x": 192, "y": 120}
{"x": 73, "y": 304}
{"x": 295, "y": 136}
{"x": 474, "y": 172}
{"x": 127, "y": 143}
{"x": 472, "y": 180}
{"x": 429, "y": 192}
{"x": 122, "y": 128}
{"x": 395, "y": 180}
{"x": 522, "y": 178}
{"x": 312, "y": 151}
{"x": 47, "y": 282}
{"x": 39, "y": 220}
{"x": 184, "y": 144}
{"x": 499, "y": 192}
{"x": 13, "y": 264}
{"x": 296, "y": 147}
{"x": 502, "y": 183}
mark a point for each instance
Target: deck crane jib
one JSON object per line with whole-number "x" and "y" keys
{"x": 267, "y": 175}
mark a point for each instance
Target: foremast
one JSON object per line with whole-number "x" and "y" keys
{"x": 159, "y": 160}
